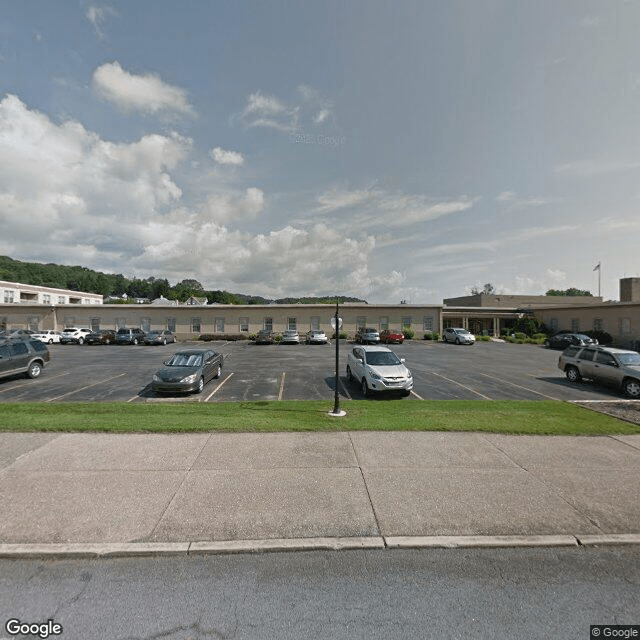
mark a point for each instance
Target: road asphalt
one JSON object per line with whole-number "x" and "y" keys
{"x": 81, "y": 494}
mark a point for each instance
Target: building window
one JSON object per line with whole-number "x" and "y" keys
{"x": 384, "y": 322}
{"x": 46, "y": 298}
{"x": 95, "y": 324}
{"x": 575, "y": 324}
{"x": 62, "y": 300}
{"x": 553, "y": 324}
{"x": 218, "y": 325}
{"x": 145, "y": 324}
{"x": 625, "y": 326}
{"x": 361, "y": 322}
{"x": 268, "y": 324}
{"x": 244, "y": 324}
{"x": 171, "y": 324}
{"x": 427, "y": 323}
{"x": 195, "y": 325}
{"x": 292, "y": 324}
{"x": 406, "y": 322}
{"x": 597, "y": 324}
{"x": 9, "y": 295}
{"x": 315, "y": 323}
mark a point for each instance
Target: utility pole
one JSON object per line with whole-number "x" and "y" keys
{"x": 337, "y": 323}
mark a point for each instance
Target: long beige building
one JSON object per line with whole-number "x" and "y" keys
{"x": 42, "y": 308}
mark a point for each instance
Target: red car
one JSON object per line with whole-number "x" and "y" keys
{"x": 389, "y": 336}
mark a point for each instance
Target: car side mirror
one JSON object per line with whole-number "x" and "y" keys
{"x": 402, "y": 360}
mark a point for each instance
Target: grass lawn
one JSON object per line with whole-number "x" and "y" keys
{"x": 516, "y": 417}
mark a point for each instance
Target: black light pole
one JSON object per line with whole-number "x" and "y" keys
{"x": 336, "y": 404}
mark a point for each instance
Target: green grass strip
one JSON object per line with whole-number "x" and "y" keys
{"x": 515, "y": 417}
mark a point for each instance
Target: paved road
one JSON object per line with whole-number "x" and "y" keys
{"x": 497, "y": 594}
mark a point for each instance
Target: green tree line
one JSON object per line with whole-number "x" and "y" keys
{"x": 77, "y": 278}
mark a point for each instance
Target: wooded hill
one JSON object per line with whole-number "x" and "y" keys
{"x": 79, "y": 278}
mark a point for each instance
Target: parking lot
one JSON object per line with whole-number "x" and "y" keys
{"x": 484, "y": 371}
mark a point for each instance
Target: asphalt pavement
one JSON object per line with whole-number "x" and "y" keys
{"x": 120, "y": 494}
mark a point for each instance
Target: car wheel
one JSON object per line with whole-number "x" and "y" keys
{"x": 34, "y": 370}
{"x": 218, "y": 372}
{"x": 50, "y": 340}
{"x": 107, "y": 341}
{"x": 573, "y": 375}
{"x": 80, "y": 340}
{"x": 631, "y": 388}
{"x": 135, "y": 341}
{"x": 164, "y": 341}
{"x": 457, "y": 340}
{"x": 200, "y": 385}
{"x": 365, "y": 387}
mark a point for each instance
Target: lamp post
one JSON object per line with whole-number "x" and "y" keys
{"x": 336, "y": 323}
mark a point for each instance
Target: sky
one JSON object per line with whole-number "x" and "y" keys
{"x": 391, "y": 151}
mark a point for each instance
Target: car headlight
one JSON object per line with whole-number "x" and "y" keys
{"x": 190, "y": 379}
{"x": 409, "y": 375}
{"x": 374, "y": 375}
{"x": 156, "y": 378}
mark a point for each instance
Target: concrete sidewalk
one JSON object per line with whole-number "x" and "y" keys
{"x": 119, "y": 494}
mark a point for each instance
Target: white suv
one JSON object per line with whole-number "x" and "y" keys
{"x": 378, "y": 369}
{"x": 74, "y": 335}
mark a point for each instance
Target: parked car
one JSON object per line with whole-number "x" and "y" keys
{"x": 619, "y": 368}
{"x": 265, "y": 336}
{"x": 73, "y": 335}
{"x": 130, "y": 336}
{"x": 290, "y": 336}
{"x": 49, "y": 336}
{"x": 102, "y": 336}
{"x": 378, "y": 368}
{"x": 188, "y": 370}
{"x": 315, "y": 336}
{"x": 458, "y": 335}
{"x": 13, "y": 333}
{"x": 20, "y": 355}
{"x": 367, "y": 335}
{"x": 388, "y": 336}
{"x": 564, "y": 340}
{"x": 160, "y": 336}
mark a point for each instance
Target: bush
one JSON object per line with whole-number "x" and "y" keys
{"x": 277, "y": 338}
{"x": 521, "y": 336}
{"x": 483, "y": 338}
{"x": 436, "y": 335}
{"x": 408, "y": 333}
{"x": 428, "y": 335}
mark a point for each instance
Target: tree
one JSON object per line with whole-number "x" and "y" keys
{"x": 487, "y": 290}
{"x": 572, "y": 291}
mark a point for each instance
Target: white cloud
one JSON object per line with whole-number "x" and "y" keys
{"x": 145, "y": 93}
{"x": 267, "y": 111}
{"x": 515, "y": 202}
{"x": 97, "y": 15}
{"x": 227, "y": 206}
{"x": 594, "y": 168}
{"x": 377, "y": 207}
{"x": 227, "y": 157}
{"x": 309, "y": 109}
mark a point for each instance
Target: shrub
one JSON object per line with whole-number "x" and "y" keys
{"x": 408, "y": 333}
{"x": 277, "y": 338}
{"x": 436, "y": 335}
{"x": 428, "y": 335}
{"x": 230, "y": 337}
{"x": 521, "y": 336}
{"x": 483, "y": 338}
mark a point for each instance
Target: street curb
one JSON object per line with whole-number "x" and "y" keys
{"x": 228, "y": 547}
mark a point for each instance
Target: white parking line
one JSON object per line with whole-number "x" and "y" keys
{"x": 217, "y": 388}
{"x": 513, "y": 384}
{"x": 461, "y": 385}
{"x": 22, "y": 383}
{"x": 281, "y": 386}
{"x": 416, "y": 395}
{"x": 69, "y": 393}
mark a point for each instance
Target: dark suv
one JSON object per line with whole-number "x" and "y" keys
{"x": 22, "y": 356}
{"x": 130, "y": 336}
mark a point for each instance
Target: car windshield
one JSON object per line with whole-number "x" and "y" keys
{"x": 462, "y": 331}
{"x": 629, "y": 358}
{"x": 382, "y": 358}
{"x": 185, "y": 360}
{"x": 153, "y": 333}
